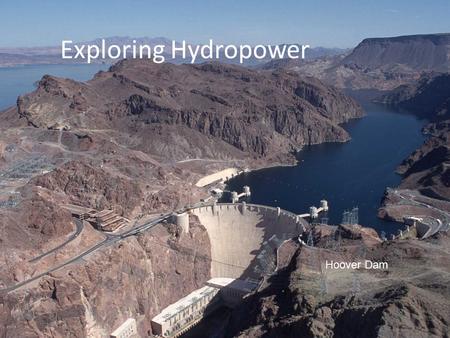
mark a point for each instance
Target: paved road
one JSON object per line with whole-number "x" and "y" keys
{"x": 80, "y": 226}
{"x": 111, "y": 238}
{"x": 438, "y": 225}
{"x": 57, "y": 267}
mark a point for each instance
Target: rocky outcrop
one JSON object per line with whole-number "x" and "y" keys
{"x": 136, "y": 278}
{"x": 428, "y": 97}
{"x": 93, "y": 187}
{"x": 35, "y": 220}
{"x": 427, "y": 169}
{"x": 261, "y": 113}
{"x": 417, "y": 52}
{"x": 304, "y": 299}
{"x": 425, "y": 188}
{"x": 378, "y": 63}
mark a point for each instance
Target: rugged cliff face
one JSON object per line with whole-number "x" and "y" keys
{"x": 428, "y": 52}
{"x": 136, "y": 278}
{"x": 378, "y": 63}
{"x": 429, "y": 97}
{"x": 260, "y": 113}
{"x": 305, "y": 299}
{"x": 93, "y": 187}
{"x": 427, "y": 169}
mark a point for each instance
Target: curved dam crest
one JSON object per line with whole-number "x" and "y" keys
{"x": 244, "y": 237}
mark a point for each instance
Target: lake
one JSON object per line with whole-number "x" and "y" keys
{"x": 347, "y": 175}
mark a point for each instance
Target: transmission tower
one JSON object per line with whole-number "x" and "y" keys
{"x": 331, "y": 239}
{"x": 310, "y": 240}
{"x": 362, "y": 251}
{"x": 356, "y": 284}
{"x": 355, "y": 215}
{"x": 338, "y": 239}
{"x": 323, "y": 285}
{"x": 345, "y": 217}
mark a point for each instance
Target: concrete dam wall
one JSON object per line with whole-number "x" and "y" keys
{"x": 245, "y": 237}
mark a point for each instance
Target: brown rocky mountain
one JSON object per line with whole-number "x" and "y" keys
{"x": 427, "y": 52}
{"x": 429, "y": 97}
{"x": 134, "y": 139}
{"x": 135, "y": 278}
{"x": 427, "y": 170}
{"x": 378, "y": 63}
{"x": 252, "y": 111}
{"x": 304, "y": 299}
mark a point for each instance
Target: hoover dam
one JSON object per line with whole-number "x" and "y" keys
{"x": 244, "y": 240}
{"x": 258, "y": 229}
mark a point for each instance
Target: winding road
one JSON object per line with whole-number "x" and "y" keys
{"x": 409, "y": 197}
{"x": 110, "y": 239}
{"x": 79, "y": 229}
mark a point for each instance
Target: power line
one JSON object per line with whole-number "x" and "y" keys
{"x": 186, "y": 252}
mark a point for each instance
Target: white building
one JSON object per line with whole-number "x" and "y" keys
{"x": 179, "y": 317}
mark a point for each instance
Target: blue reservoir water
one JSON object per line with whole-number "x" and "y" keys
{"x": 349, "y": 174}
{"x": 15, "y": 81}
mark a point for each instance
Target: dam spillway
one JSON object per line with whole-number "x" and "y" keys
{"x": 244, "y": 237}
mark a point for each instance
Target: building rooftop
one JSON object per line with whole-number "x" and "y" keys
{"x": 104, "y": 212}
{"x": 183, "y": 303}
{"x": 213, "y": 285}
{"x": 237, "y": 284}
{"x": 220, "y": 281}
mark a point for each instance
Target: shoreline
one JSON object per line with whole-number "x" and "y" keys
{"x": 390, "y": 226}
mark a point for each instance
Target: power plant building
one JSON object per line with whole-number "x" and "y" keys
{"x": 179, "y": 317}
